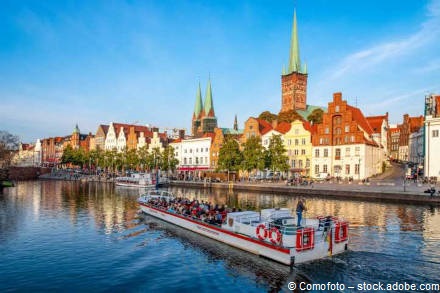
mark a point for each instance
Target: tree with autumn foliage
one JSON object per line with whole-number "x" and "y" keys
{"x": 316, "y": 116}
{"x": 289, "y": 116}
{"x": 268, "y": 116}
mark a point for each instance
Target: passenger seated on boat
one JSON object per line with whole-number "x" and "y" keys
{"x": 171, "y": 209}
{"x": 218, "y": 218}
{"x": 203, "y": 217}
{"x": 210, "y": 220}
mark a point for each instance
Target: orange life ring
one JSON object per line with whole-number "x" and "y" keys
{"x": 258, "y": 230}
{"x": 277, "y": 238}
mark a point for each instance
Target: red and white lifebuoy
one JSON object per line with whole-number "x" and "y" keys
{"x": 261, "y": 228}
{"x": 341, "y": 231}
{"x": 305, "y": 239}
{"x": 275, "y": 235}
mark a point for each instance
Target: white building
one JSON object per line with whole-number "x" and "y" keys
{"x": 111, "y": 140}
{"x": 193, "y": 154}
{"x": 156, "y": 142}
{"x": 357, "y": 161}
{"x": 432, "y": 147}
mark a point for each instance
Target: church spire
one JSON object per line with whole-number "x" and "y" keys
{"x": 235, "y": 123}
{"x": 199, "y": 104}
{"x": 294, "y": 58}
{"x": 209, "y": 105}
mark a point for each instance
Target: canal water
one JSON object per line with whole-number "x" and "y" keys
{"x": 78, "y": 237}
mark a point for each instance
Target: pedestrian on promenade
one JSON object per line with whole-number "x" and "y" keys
{"x": 300, "y": 207}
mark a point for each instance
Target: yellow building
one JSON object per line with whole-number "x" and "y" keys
{"x": 298, "y": 143}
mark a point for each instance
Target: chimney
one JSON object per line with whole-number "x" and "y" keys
{"x": 274, "y": 123}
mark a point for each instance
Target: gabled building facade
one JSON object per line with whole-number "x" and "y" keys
{"x": 343, "y": 145}
{"x": 298, "y": 143}
{"x": 408, "y": 126}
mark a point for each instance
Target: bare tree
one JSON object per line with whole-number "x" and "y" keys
{"x": 8, "y": 145}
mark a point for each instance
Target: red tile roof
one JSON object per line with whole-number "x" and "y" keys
{"x": 283, "y": 127}
{"x": 360, "y": 119}
{"x": 209, "y": 134}
{"x": 264, "y": 126}
{"x": 376, "y": 122}
{"x": 415, "y": 123}
{"x": 312, "y": 128}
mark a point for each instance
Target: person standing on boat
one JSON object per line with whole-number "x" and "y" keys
{"x": 300, "y": 207}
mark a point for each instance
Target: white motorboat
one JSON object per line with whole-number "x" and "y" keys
{"x": 271, "y": 233}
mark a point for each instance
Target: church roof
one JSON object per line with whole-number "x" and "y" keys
{"x": 232, "y": 131}
{"x": 209, "y": 104}
{"x": 309, "y": 109}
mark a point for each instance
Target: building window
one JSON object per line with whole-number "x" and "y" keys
{"x": 347, "y": 152}
{"x": 338, "y": 154}
{"x": 352, "y": 138}
{"x": 338, "y": 130}
{"x": 317, "y": 153}
{"x": 316, "y": 169}
{"x": 325, "y": 153}
{"x": 435, "y": 133}
{"x": 296, "y": 152}
{"x": 190, "y": 161}
{"x": 347, "y": 169}
{"x": 303, "y": 152}
{"x": 357, "y": 150}
{"x": 326, "y": 131}
{"x": 356, "y": 169}
{"x": 296, "y": 142}
{"x": 307, "y": 163}
{"x": 324, "y": 168}
{"x": 300, "y": 164}
{"x": 293, "y": 163}
{"x": 347, "y": 128}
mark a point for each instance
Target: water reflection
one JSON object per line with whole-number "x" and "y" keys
{"x": 388, "y": 241}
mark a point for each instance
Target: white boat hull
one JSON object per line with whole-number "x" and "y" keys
{"x": 284, "y": 255}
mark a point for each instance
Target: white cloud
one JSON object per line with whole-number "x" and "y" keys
{"x": 369, "y": 57}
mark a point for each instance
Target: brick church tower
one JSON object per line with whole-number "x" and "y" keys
{"x": 294, "y": 79}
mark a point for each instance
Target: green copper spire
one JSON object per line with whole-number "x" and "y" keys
{"x": 209, "y": 105}
{"x": 199, "y": 104}
{"x": 294, "y": 60}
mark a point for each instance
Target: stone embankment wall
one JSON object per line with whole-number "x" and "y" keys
{"x": 22, "y": 173}
{"x": 348, "y": 193}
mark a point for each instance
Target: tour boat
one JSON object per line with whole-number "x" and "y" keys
{"x": 271, "y": 233}
{"x": 136, "y": 180}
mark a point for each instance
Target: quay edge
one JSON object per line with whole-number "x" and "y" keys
{"x": 352, "y": 194}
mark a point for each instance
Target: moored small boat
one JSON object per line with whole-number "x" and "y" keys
{"x": 135, "y": 180}
{"x": 271, "y": 233}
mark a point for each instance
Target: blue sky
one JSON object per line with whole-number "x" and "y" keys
{"x": 93, "y": 62}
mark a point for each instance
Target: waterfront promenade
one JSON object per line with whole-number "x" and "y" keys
{"x": 378, "y": 190}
